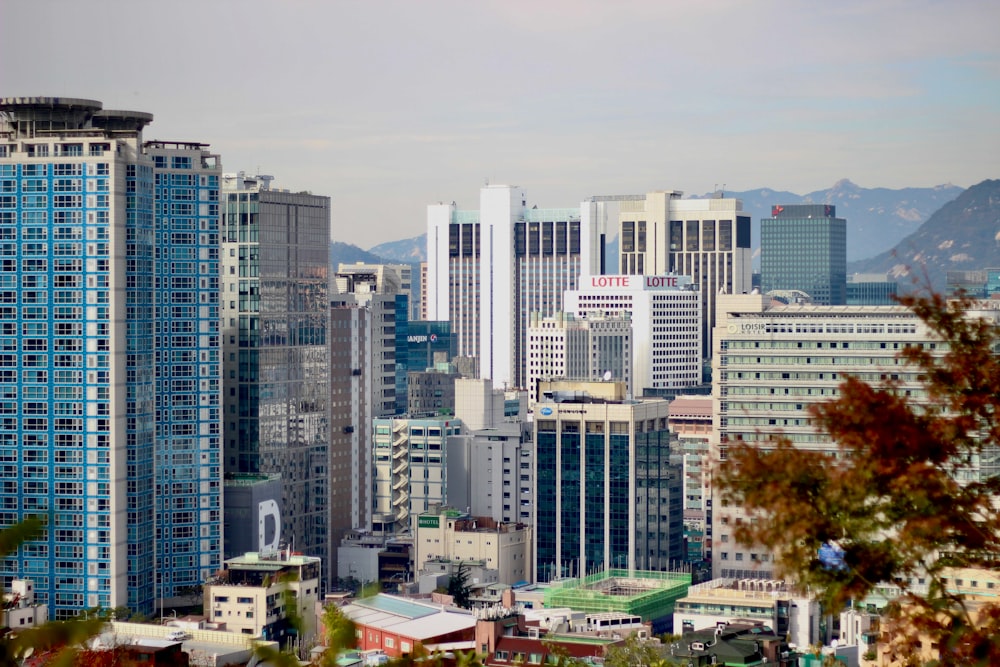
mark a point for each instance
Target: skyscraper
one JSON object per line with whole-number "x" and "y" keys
{"x": 804, "y": 247}
{"x": 488, "y": 270}
{"x": 275, "y": 313}
{"x": 707, "y": 239}
{"x": 606, "y": 494}
{"x": 109, "y": 375}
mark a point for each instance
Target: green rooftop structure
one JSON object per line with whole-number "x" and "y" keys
{"x": 650, "y": 595}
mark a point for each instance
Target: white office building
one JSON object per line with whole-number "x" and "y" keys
{"x": 564, "y": 346}
{"x": 773, "y": 361}
{"x": 488, "y": 270}
{"x": 666, "y": 325}
{"x": 707, "y": 239}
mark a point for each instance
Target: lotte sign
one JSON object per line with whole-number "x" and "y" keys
{"x": 635, "y": 281}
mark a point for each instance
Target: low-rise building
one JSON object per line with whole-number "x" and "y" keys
{"x": 506, "y": 638}
{"x": 253, "y": 594}
{"x": 20, "y": 609}
{"x": 456, "y": 536}
{"x": 771, "y": 603}
{"x": 398, "y": 626}
{"x": 734, "y": 644}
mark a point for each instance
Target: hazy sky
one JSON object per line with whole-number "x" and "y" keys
{"x": 388, "y": 106}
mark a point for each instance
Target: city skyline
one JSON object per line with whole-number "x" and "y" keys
{"x": 389, "y": 107}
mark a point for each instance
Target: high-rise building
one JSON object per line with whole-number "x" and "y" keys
{"x": 773, "y": 362}
{"x": 378, "y": 287}
{"x": 411, "y": 460}
{"x": 491, "y": 465}
{"x": 350, "y": 485}
{"x": 804, "y": 247}
{"x": 706, "y": 239}
{"x": 666, "y": 320}
{"x": 275, "y": 312}
{"x": 488, "y": 270}
{"x": 606, "y": 494}
{"x": 109, "y": 375}
{"x": 587, "y": 348}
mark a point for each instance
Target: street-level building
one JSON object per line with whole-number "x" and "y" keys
{"x": 253, "y": 594}
{"x": 458, "y": 537}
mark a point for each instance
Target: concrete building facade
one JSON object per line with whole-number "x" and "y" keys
{"x": 706, "y": 239}
{"x": 488, "y": 270}
{"x": 567, "y": 347}
{"x": 666, "y": 317}
{"x": 459, "y": 537}
{"x": 773, "y": 362}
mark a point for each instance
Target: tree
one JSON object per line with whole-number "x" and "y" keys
{"x": 338, "y": 634}
{"x": 636, "y": 651}
{"x": 897, "y": 505}
{"x": 458, "y": 586}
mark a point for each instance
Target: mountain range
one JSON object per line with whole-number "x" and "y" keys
{"x": 916, "y": 233}
{"x": 963, "y": 235}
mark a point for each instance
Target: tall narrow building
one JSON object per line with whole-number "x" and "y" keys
{"x": 109, "y": 374}
{"x": 275, "y": 313}
{"x": 488, "y": 270}
{"x": 804, "y": 247}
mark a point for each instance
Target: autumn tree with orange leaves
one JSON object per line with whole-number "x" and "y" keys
{"x": 903, "y": 500}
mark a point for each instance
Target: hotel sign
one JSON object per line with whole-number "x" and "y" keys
{"x": 639, "y": 282}
{"x": 428, "y": 522}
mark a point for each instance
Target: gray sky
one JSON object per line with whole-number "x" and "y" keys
{"x": 388, "y": 106}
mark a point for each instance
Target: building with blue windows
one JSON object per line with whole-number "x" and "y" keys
{"x": 109, "y": 377}
{"x": 606, "y": 494}
{"x": 804, "y": 247}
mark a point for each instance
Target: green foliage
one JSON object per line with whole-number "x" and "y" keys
{"x": 339, "y": 635}
{"x": 636, "y": 651}
{"x": 897, "y": 498}
{"x": 458, "y": 586}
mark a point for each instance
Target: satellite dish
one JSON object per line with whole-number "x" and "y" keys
{"x": 607, "y": 376}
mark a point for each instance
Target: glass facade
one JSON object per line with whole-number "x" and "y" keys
{"x": 606, "y": 495}
{"x": 804, "y": 247}
{"x": 276, "y": 367}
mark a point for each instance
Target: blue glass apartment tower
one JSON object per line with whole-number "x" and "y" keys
{"x": 804, "y": 247}
{"x": 89, "y": 435}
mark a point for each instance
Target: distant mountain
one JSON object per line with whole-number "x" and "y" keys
{"x": 407, "y": 251}
{"x": 877, "y": 218}
{"x": 350, "y": 254}
{"x": 963, "y": 235}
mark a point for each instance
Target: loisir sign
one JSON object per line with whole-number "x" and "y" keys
{"x": 639, "y": 282}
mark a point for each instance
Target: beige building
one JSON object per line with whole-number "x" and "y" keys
{"x": 457, "y": 536}
{"x": 787, "y": 612}
{"x": 253, "y": 594}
